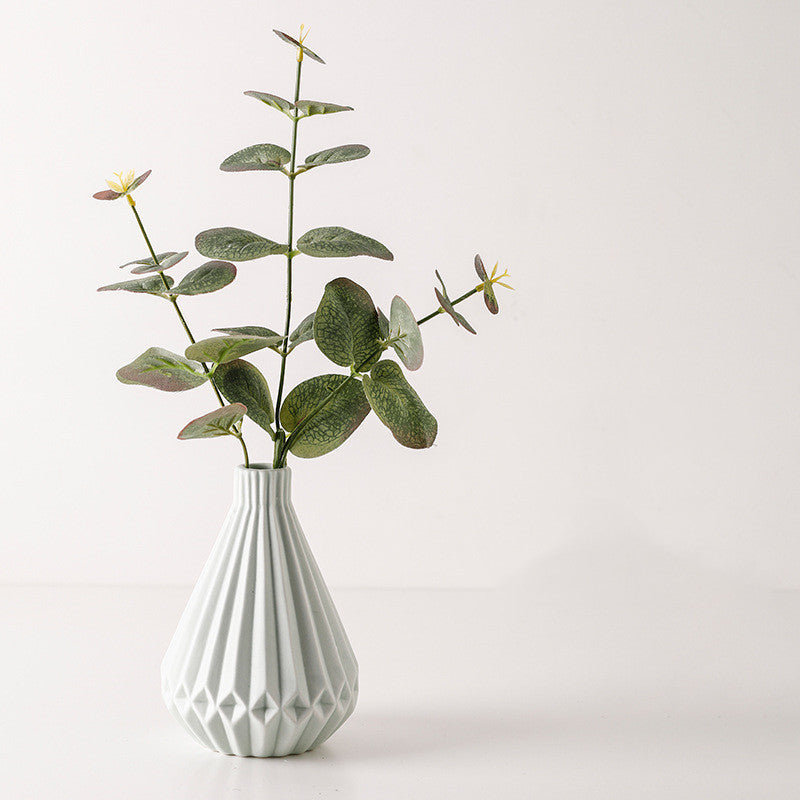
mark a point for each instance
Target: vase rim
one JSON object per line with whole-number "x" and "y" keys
{"x": 261, "y": 466}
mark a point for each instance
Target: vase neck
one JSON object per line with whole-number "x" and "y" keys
{"x": 261, "y": 485}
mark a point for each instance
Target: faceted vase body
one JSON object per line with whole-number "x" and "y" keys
{"x": 260, "y": 664}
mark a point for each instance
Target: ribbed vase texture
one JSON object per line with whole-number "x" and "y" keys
{"x": 260, "y": 664}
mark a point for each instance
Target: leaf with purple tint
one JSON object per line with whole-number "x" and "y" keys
{"x": 160, "y": 369}
{"x": 219, "y": 349}
{"x": 291, "y": 40}
{"x": 150, "y": 285}
{"x": 447, "y": 306}
{"x": 107, "y": 194}
{"x": 209, "y": 277}
{"x": 219, "y": 422}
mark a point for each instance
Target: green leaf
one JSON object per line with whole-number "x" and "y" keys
{"x": 304, "y": 332}
{"x": 169, "y": 260}
{"x": 218, "y": 423}
{"x": 161, "y": 369}
{"x": 252, "y": 330}
{"x": 346, "y": 326}
{"x": 403, "y": 323}
{"x": 150, "y": 285}
{"x": 209, "y": 277}
{"x": 488, "y": 290}
{"x": 219, "y": 349}
{"x": 236, "y": 244}
{"x": 383, "y": 324}
{"x": 274, "y": 101}
{"x": 335, "y": 155}
{"x": 242, "y": 382}
{"x": 291, "y": 40}
{"x": 148, "y": 261}
{"x": 340, "y": 243}
{"x": 331, "y": 426}
{"x": 398, "y": 406}
{"x": 257, "y": 156}
{"x": 309, "y": 108}
{"x": 447, "y": 306}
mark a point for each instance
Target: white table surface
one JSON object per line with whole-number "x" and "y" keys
{"x": 611, "y": 671}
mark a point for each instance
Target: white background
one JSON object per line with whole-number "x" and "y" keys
{"x": 612, "y": 499}
{"x": 634, "y": 166}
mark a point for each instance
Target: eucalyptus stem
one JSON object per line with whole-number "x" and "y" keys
{"x": 244, "y": 449}
{"x": 289, "y": 257}
{"x": 280, "y": 458}
{"x": 440, "y": 310}
{"x": 173, "y": 300}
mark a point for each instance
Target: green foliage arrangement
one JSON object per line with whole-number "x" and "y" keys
{"x": 320, "y": 413}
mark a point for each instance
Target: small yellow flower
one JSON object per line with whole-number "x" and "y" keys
{"x": 124, "y": 184}
{"x": 488, "y": 281}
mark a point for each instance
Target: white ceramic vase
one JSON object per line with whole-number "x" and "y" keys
{"x": 260, "y": 664}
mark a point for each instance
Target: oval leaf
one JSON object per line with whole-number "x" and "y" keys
{"x": 251, "y": 330}
{"x": 149, "y": 259}
{"x": 161, "y": 369}
{"x": 398, "y": 406}
{"x": 304, "y": 332}
{"x": 340, "y": 243}
{"x": 274, "y": 101}
{"x": 242, "y": 382}
{"x": 257, "y": 156}
{"x": 209, "y": 277}
{"x": 335, "y": 155}
{"x": 291, "y": 40}
{"x": 309, "y": 108}
{"x": 346, "y": 325}
{"x": 235, "y": 244}
{"x": 219, "y": 349}
{"x": 150, "y": 285}
{"x": 403, "y": 323}
{"x": 218, "y": 423}
{"x": 165, "y": 262}
{"x": 331, "y": 426}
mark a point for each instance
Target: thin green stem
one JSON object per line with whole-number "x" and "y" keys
{"x": 244, "y": 449}
{"x": 289, "y": 256}
{"x": 452, "y": 302}
{"x": 174, "y": 300}
{"x": 281, "y": 456}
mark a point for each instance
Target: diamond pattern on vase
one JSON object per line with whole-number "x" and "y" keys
{"x": 260, "y": 664}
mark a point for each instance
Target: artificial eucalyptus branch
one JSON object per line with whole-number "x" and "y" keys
{"x": 319, "y": 414}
